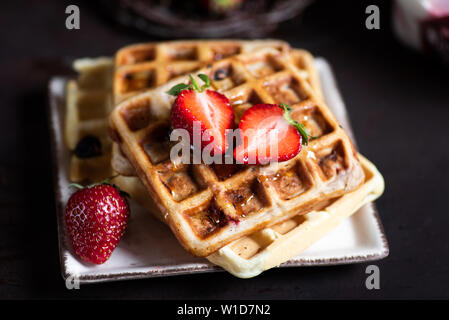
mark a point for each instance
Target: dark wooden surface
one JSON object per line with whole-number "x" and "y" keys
{"x": 398, "y": 103}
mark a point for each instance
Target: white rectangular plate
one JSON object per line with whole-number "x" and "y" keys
{"x": 149, "y": 249}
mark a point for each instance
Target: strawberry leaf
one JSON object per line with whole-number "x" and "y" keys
{"x": 176, "y": 90}
{"x": 206, "y": 81}
{"x": 299, "y": 126}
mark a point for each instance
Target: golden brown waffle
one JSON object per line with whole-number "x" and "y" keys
{"x": 302, "y": 59}
{"x": 267, "y": 248}
{"x": 89, "y": 102}
{"x": 250, "y": 255}
{"x": 199, "y": 201}
{"x": 144, "y": 66}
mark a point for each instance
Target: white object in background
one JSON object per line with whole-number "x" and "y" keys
{"x": 423, "y": 25}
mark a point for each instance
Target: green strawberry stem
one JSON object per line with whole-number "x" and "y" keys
{"x": 177, "y": 89}
{"x": 299, "y": 126}
{"x": 194, "y": 84}
{"x": 76, "y": 185}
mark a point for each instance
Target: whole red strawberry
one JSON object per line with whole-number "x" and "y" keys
{"x": 96, "y": 218}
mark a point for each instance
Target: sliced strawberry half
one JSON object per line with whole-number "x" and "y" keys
{"x": 211, "y": 109}
{"x": 269, "y": 134}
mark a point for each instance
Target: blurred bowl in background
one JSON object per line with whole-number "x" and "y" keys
{"x": 203, "y": 18}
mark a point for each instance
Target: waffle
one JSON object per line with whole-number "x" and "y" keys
{"x": 267, "y": 248}
{"x": 89, "y": 101}
{"x": 199, "y": 201}
{"x": 302, "y": 59}
{"x": 144, "y": 66}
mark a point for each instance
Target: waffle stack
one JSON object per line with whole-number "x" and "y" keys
{"x": 196, "y": 199}
{"x": 282, "y": 208}
{"x": 89, "y": 102}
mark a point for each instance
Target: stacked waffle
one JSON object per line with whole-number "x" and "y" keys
{"x": 89, "y": 101}
{"x": 281, "y": 208}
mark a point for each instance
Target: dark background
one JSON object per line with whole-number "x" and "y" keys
{"x": 398, "y": 102}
